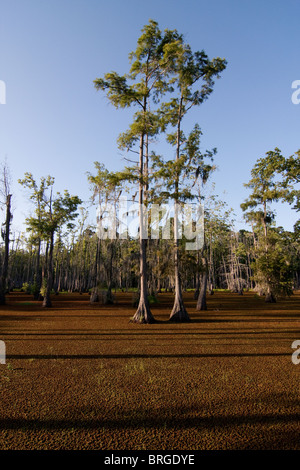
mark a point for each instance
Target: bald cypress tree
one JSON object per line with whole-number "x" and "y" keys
{"x": 150, "y": 66}
{"x": 194, "y": 75}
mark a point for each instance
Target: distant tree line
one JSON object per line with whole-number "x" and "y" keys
{"x": 81, "y": 262}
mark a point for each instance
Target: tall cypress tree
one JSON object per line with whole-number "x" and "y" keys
{"x": 146, "y": 83}
{"x": 193, "y": 80}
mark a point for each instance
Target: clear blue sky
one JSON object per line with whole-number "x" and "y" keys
{"x": 55, "y": 122}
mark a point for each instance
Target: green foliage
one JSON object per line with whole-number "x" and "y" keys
{"x": 105, "y": 183}
{"x": 119, "y": 93}
{"x": 179, "y": 176}
{"x": 43, "y": 289}
{"x": 29, "y": 288}
{"x": 272, "y": 267}
{"x": 291, "y": 176}
{"x": 34, "y": 289}
{"x": 51, "y": 213}
{"x": 266, "y": 188}
{"x": 193, "y": 80}
{"x": 26, "y": 287}
{"x": 152, "y": 299}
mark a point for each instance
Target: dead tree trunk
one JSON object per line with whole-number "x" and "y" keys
{"x": 3, "y": 286}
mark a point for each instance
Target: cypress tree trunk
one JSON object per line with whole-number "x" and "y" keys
{"x": 179, "y": 313}
{"x": 143, "y": 313}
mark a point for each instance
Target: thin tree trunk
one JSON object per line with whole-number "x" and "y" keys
{"x": 143, "y": 313}
{"x": 197, "y": 284}
{"x": 3, "y": 286}
{"x": 37, "y": 275}
{"x": 109, "y": 297}
{"x": 270, "y": 298}
{"x": 95, "y": 289}
{"x": 201, "y": 302}
{"x": 49, "y": 274}
{"x": 179, "y": 313}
